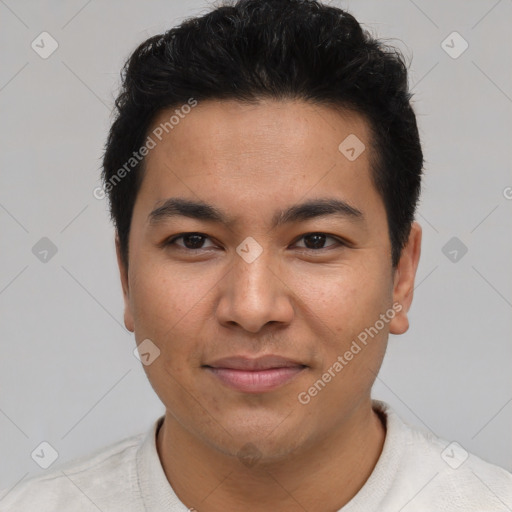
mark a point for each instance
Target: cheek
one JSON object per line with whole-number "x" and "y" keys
{"x": 352, "y": 351}
{"x": 165, "y": 309}
{"x": 344, "y": 298}
{"x": 170, "y": 307}
{"x": 162, "y": 299}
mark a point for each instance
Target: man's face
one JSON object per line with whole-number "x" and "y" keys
{"x": 251, "y": 288}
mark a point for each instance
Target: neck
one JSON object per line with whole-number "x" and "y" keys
{"x": 324, "y": 476}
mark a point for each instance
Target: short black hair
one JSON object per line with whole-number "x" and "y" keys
{"x": 270, "y": 49}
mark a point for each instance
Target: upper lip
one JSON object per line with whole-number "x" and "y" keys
{"x": 260, "y": 363}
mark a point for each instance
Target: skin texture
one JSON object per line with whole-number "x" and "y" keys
{"x": 296, "y": 301}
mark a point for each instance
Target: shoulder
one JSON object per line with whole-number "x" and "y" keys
{"x": 471, "y": 482}
{"x": 105, "y": 479}
{"x": 437, "y": 473}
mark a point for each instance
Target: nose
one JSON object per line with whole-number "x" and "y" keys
{"x": 255, "y": 294}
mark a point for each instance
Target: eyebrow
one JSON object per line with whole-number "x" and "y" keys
{"x": 200, "y": 210}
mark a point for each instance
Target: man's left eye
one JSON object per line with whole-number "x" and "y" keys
{"x": 315, "y": 241}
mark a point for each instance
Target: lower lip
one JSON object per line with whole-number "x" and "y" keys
{"x": 257, "y": 381}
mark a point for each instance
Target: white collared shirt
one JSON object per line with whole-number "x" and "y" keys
{"x": 416, "y": 472}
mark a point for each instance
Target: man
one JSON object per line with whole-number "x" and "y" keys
{"x": 263, "y": 173}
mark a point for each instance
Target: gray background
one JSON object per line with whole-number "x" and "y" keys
{"x": 68, "y": 375}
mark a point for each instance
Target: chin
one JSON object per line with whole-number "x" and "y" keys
{"x": 252, "y": 450}
{"x": 266, "y": 437}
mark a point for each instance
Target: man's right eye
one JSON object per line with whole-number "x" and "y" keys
{"x": 191, "y": 241}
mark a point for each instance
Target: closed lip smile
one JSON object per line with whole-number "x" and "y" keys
{"x": 255, "y": 375}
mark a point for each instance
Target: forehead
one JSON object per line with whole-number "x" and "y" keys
{"x": 234, "y": 153}
{"x": 280, "y": 128}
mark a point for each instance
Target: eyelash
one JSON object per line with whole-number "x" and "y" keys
{"x": 339, "y": 242}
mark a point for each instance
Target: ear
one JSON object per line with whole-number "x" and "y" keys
{"x": 123, "y": 273}
{"x": 405, "y": 273}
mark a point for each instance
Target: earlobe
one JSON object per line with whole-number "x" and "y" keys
{"x": 403, "y": 286}
{"x": 123, "y": 274}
